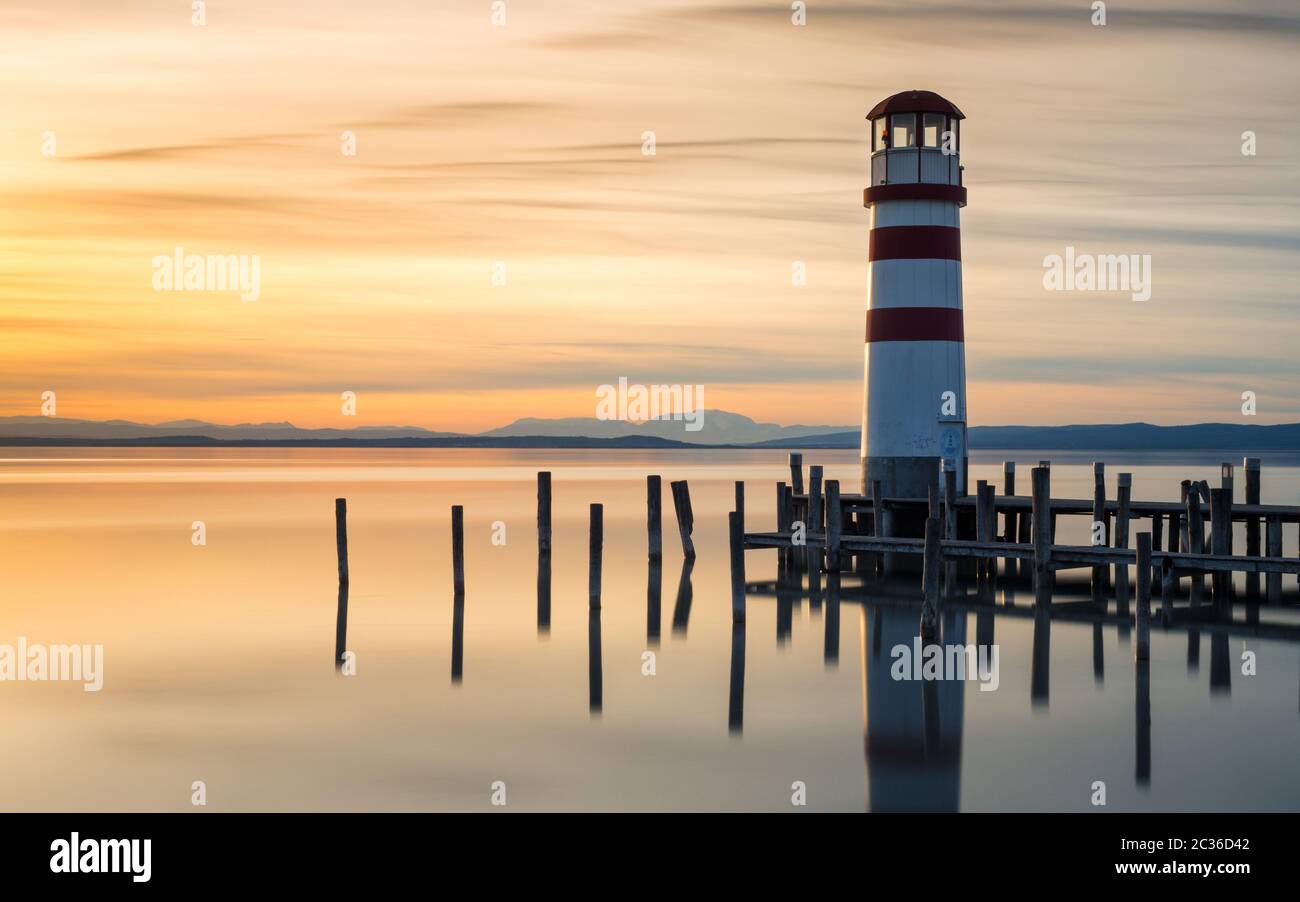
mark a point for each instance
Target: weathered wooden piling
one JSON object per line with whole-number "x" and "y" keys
{"x": 931, "y": 582}
{"x": 1009, "y": 489}
{"x": 1184, "y": 522}
{"x": 544, "y": 512}
{"x": 1041, "y": 501}
{"x": 815, "y": 513}
{"x": 341, "y": 542}
{"x": 1226, "y": 483}
{"x": 458, "y": 547}
{"x": 982, "y": 525}
{"x": 1252, "y": 467}
{"x": 782, "y": 524}
{"x": 597, "y": 549}
{"x": 654, "y": 516}
{"x": 1124, "y": 497}
{"x": 1142, "y": 648}
{"x": 796, "y": 472}
{"x": 834, "y": 523}
{"x": 341, "y": 536}
{"x": 1098, "y": 517}
{"x": 932, "y": 498}
{"x": 1220, "y": 529}
{"x": 685, "y": 518}
{"x": 740, "y": 500}
{"x": 1274, "y": 539}
{"x": 949, "y": 503}
{"x": 737, "y": 535}
{"x": 991, "y": 528}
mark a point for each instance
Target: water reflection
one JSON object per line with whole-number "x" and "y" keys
{"x": 685, "y": 593}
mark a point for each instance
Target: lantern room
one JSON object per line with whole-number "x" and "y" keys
{"x": 915, "y": 137}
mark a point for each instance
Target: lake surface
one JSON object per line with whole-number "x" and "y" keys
{"x": 218, "y": 658}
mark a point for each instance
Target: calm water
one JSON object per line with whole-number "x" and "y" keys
{"x": 219, "y": 658}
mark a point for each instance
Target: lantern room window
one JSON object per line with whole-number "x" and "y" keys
{"x": 878, "y": 134}
{"x": 932, "y": 129}
{"x": 902, "y": 130}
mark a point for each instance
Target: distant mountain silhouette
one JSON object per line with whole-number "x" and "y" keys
{"x": 720, "y": 429}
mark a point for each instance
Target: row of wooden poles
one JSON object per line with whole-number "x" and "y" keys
{"x": 825, "y": 513}
{"x": 1030, "y": 536}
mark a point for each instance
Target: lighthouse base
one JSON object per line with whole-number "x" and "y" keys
{"x": 910, "y": 478}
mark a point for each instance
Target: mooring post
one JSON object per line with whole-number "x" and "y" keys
{"x": 544, "y": 512}
{"x": 1009, "y": 490}
{"x": 931, "y": 583}
{"x": 458, "y": 547}
{"x": 1185, "y": 521}
{"x": 341, "y": 536}
{"x": 796, "y": 472}
{"x": 981, "y": 525}
{"x": 596, "y": 547}
{"x": 1274, "y": 550}
{"x": 341, "y": 542}
{"x": 782, "y": 525}
{"x": 1041, "y": 479}
{"x": 1218, "y": 543}
{"x": 1157, "y": 531}
{"x": 1226, "y": 483}
{"x": 1168, "y": 588}
{"x": 654, "y": 516}
{"x": 1124, "y": 495}
{"x": 932, "y": 507}
{"x": 834, "y": 520}
{"x": 685, "y": 519}
{"x": 737, "y": 530}
{"x": 949, "y": 502}
{"x": 991, "y": 529}
{"x": 1099, "y": 573}
{"x": 1251, "y": 466}
{"x": 815, "y": 513}
{"x": 1142, "y": 649}
{"x": 740, "y": 502}
{"x": 879, "y": 528}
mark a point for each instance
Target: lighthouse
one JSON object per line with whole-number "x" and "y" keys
{"x": 914, "y": 399}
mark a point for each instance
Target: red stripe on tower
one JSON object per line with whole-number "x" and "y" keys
{"x": 915, "y": 242}
{"x": 915, "y": 324}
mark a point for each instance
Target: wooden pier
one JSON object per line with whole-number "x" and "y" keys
{"x": 825, "y": 533}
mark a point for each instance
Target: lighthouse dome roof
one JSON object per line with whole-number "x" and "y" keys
{"x": 915, "y": 102}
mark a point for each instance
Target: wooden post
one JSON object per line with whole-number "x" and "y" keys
{"x": 544, "y": 512}
{"x": 341, "y": 541}
{"x": 949, "y": 499}
{"x": 737, "y": 530}
{"x": 1099, "y": 573}
{"x": 815, "y": 514}
{"x": 1251, "y": 466}
{"x": 1009, "y": 490}
{"x": 458, "y": 547}
{"x": 981, "y": 525}
{"x": 597, "y": 547}
{"x": 782, "y": 525}
{"x": 991, "y": 528}
{"x": 654, "y": 516}
{"x": 931, "y": 581}
{"x": 1274, "y": 550}
{"x": 1218, "y": 542}
{"x": 1226, "y": 483}
{"x": 1142, "y": 649}
{"x": 1042, "y": 503}
{"x": 685, "y": 519}
{"x": 877, "y": 510}
{"x": 341, "y": 536}
{"x": 1195, "y": 523}
{"x": 796, "y": 472}
{"x": 834, "y": 521}
{"x": 1124, "y": 495}
{"x": 740, "y": 502}
{"x": 1184, "y": 522}
{"x": 1157, "y": 531}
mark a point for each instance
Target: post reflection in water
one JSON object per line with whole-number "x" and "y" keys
{"x": 543, "y": 593}
{"x": 654, "y": 602}
{"x": 685, "y": 593}
{"x": 736, "y": 693}
{"x": 457, "y": 638}
{"x": 595, "y": 670}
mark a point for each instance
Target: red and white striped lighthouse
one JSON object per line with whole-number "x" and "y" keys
{"x": 914, "y": 404}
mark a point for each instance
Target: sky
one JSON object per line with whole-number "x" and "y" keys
{"x": 129, "y": 131}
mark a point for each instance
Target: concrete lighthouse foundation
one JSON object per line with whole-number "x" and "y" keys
{"x": 914, "y": 400}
